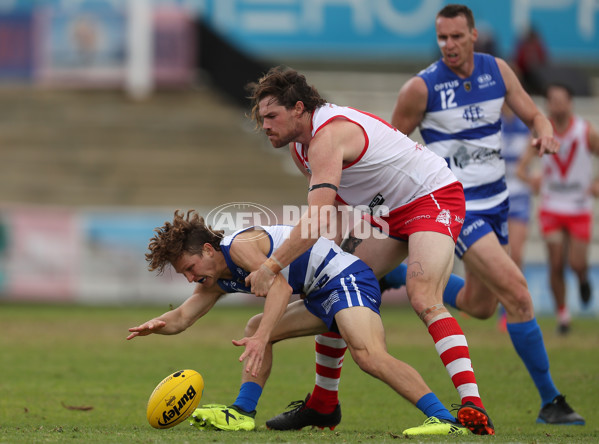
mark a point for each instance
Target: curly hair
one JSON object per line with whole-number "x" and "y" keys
{"x": 185, "y": 234}
{"x": 287, "y": 87}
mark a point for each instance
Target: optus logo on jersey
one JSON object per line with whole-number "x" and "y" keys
{"x": 446, "y": 85}
{"x": 316, "y": 221}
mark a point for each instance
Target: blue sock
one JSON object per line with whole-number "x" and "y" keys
{"x": 397, "y": 277}
{"x": 454, "y": 285}
{"x": 430, "y": 405}
{"x": 248, "y": 397}
{"x": 528, "y": 342}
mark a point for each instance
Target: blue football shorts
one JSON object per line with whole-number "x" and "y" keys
{"x": 480, "y": 223}
{"x": 520, "y": 207}
{"x": 358, "y": 289}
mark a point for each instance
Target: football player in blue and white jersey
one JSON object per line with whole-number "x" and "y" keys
{"x": 456, "y": 104}
{"x": 340, "y": 293}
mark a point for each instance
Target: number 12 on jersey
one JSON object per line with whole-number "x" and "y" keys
{"x": 447, "y": 99}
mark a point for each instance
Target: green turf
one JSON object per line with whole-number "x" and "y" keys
{"x": 55, "y": 357}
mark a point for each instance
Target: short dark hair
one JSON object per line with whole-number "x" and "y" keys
{"x": 287, "y": 87}
{"x": 185, "y": 234}
{"x": 454, "y": 10}
{"x": 563, "y": 86}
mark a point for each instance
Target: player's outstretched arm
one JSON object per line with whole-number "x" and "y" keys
{"x": 249, "y": 250}
{"x": 593, "y": 137}
{"x": 175, "y": 321}
{"x": 593, "y": 140}
{"x": 524, "y": 107}
{"x": 274, "y": 307}
{"x": 336, "y": 142}
{"x": 152, "y": 326}
{"x": 523, "y": 170}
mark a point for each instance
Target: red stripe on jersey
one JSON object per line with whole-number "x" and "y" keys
{"x": 562, "y": 135}
{"x": 563, "y": 167}
{"x": 375, "y": 117}
{"x": 298, "y": 147}
{"x": 366, "y": 140}
{"x": 366, "y": 143}
{"x": 340, "y": 200}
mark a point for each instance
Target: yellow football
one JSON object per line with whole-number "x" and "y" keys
{"x": 175, "y": 398}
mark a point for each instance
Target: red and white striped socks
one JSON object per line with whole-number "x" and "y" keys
{"x": 450, "y": 343}
{"x": 330, "y": 349}
{"x": 452, "y": 347}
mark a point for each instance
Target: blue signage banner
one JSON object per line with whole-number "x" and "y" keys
{"x": 379, "y": 29}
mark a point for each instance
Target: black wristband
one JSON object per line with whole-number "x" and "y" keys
{"x": 323, "y": 185}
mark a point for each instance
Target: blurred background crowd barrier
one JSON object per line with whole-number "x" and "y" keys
{"x": 163, "y": 42}
{"x": 96, "y": 255}
{"x": 117, "y": 112}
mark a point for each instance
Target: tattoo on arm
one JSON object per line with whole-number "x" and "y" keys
{"x": 350, "y": 244}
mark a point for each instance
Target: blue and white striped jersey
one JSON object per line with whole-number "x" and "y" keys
{"x": 309, "y": 272}
{"x": 463, "y": 124}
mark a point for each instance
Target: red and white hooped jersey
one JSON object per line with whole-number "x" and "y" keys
{"x": 392, "y": 170}
{"x": 567, "y": 175}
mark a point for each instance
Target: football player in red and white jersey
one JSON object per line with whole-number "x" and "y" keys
{"x": 355, "y": 158}
{"x": 566, "y": 187}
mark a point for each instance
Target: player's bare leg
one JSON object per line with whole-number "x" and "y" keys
{"x": 492, "y": 275}
{"x": 578, "y": 254}
{"x": 428, "y": 276}
{"x": 556, "y": 248}
{"x": 363, "y": 331}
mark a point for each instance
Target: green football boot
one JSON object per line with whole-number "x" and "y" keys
{"x": 221, "y": 417}
{"x": 435, "y": 426}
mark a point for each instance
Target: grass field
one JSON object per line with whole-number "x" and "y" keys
{"x": 69, "y": 376}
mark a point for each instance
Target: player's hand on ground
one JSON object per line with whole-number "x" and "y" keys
{"x": 253, "y": 355}
{"x": 260, "y": 281}
{"x": 146, "y": 328}
{"x": 546, "y": 145}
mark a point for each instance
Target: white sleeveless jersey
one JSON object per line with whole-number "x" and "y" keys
{"x": 567, "y": 175}
{"x": 462, "y": 124}
{"x": 515, "y": 140}
{"x": 392, "y": 169}
{"x": 309, "y": 272}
